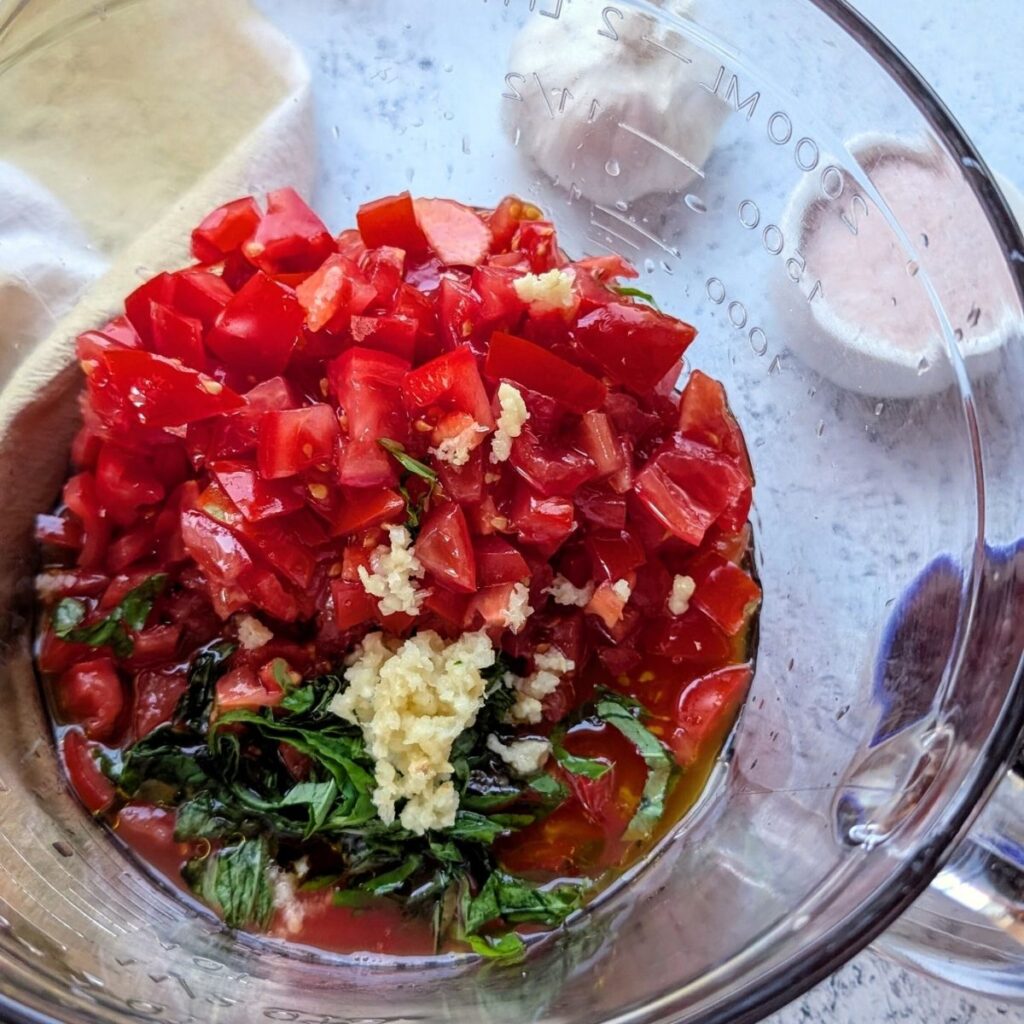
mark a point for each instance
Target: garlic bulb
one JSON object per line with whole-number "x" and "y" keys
{"x": 610, "y": 118}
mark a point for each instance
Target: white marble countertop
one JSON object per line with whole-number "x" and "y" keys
{"x": 970, "y": 51}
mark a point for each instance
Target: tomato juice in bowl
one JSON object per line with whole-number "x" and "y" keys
{"x": 398, "y": 601}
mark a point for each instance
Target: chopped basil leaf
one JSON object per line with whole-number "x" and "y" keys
{"x": 516, "y": 901}
{"x": 392, "y": 881}
{"x": 620, "y": 714}
{"x": 109, "y": 631}
{"x": 507, "y": 948}
{"x": 237, "y": 880}
{"x": 351, "y": 898}
{"x": 406, "y": 461}
{"x": 207, "y": 667}
{"x": 588, "y": 767}
{"x": 550, "y": 789}
{"x": 636, "y": 293}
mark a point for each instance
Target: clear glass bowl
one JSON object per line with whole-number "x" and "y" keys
{"x": 703, "y": 141}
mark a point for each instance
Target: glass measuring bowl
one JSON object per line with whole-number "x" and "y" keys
{"x": 886, "y": 703}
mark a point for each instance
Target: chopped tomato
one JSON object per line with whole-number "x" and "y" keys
{"x": 362, "y": 507}
{"x": 523, "y": 362}
{"x": 138, "y": 307}
{"x": 705, "y": 712}
{"x": 704, "y": 416}
{"x": 391, "y": 221}
{"x": 177, "y": 336}
{"x": 254, "y": 497}
{"x": 157, "y": 693}
{"x": 504, "y": 221}
{"x": 82, "y": 501}
{"x": 94, "y": 789}
{"x": 131, "y": 388}
{"x": 125, "y": 484}
{"x": 488, "y": 608}
{"x": 334, "y": 293}
{"x": 539, "y": 520}
{"x": 552, "y": 466}
{"x": 58, "y": 531}
{"x": 451, "y": 382}
{"x": 91, "y": 695}
{"x": 445, "y": 548}
{"x": 244, "y": 688}
{"x": 200, "y": 295}
{"x": 724, "y": 592}
{"x": 290, "y": 236}
{"x": 635, "y": 345}
{"x": 498, "y": 561}
{"x": 352, "y": 604}
{"x": 388, "y": 333}
{"x": 256, "y": 331}
{"x": 225, "y": 229}
{"x": 292, "y": 440}
{"x": 214, "y": 547}
{"x": 384, "y": 267}
{"x": 459, "y": 311}
{"x": 455, "y": 232}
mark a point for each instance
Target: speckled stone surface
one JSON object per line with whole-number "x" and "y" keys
{"x": 970, "y": 52}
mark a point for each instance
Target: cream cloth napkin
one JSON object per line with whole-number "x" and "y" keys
{"x": 118, "y": 140}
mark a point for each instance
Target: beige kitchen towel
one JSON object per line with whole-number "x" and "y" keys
{"x": 132, "y": 127}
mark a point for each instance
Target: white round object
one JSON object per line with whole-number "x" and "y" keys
{"x": 610, "y": 106}
{"x": 873, "y": 328}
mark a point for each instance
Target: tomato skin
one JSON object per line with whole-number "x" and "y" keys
{"x": 93, "y": 788}
{"x": 635, "y": 345}
{"x": 200, "y": 295}
{"x": 124, "y": 483}
{"x": 465, "y": 484}
{"x": 384, "y": 268}
{"x": 387, "y": 333}
{"x": 454, "y": 232}
{"x": 290, "y": 237}
{"x": 505, "y": 219}
{"x": 725, "y": 593}
{"x": 137, "y": 390}
{"x": 333, "y": 293}
{"x": 91, "y": 695}
{"x": 217, "y": 551}
{"x": 361, "y": 508}
{"x": 292, "y": 440}
{"x": 687, "y": 486}
{"x": 254, "y": 497}
{"x": 352, "y": 604}
{"x": 177, "y": 337}
{"x": 497, "y": 561}
{"x": 688, "y": 638}
{"x": 243, "y": 688}
{"x": 452, "y": 381}
{"x": 156, "y": 696}
{"x": 459, "y": 309}
{"x": 526, "y": 363}
{"x": 445, "y": 548}
{"x": 365, "y": 383}
{"x": 600, "y": 442}
{"x": 539, "y": 520}
{"x": 488, "y": 607}
{"x": 138, "y": 305}
{"x": 550, "y": 468}
{"x": 256, "y": 331}
{"x": 225, "y": 229}
{"x": 391, "y": 220}
{"x": 705, "y": 711}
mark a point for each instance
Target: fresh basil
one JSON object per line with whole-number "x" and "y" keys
{"x": 237, "y": 880}
{"x": 406, "y": 461}
{"x": 636, "y": 293}
{"x": 506, "y": 948}
{"x": 207, "y": 667}
{"x": 620, "y": 713}
{"x": 587, "y": 767}
{"x": 112, "y": 630}
{"x": 516, "y": 901}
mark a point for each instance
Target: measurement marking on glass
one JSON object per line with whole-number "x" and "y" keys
{"x": 650, "y": 236}
{"x": 658, "y": 144}
{"x": 667, "y": 49}
{"x": 615, "y": 234}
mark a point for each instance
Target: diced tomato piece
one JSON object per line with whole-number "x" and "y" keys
{"x": 59, "y": 532}
{"x": 385, "y": 270}
{"x": 500, "y": 305}
{"x": 243, "y": 688}
{"x": 256, "y": 331}
{"x": 156, "y": 644}
{"x": 455, "y": 232}
{"x": 601, "y": 507}
{"x": 225, "y": 229}
{"x": 256, "y": 498}
{"x": 704, "y": 416}
{"x": 292, "y": 440}
{"x": 607, "y": 604}
{"x": 599, "y": 440}
{"x": 498, "y": 561}
{"x": 336, "y": 291}
{"x": 366, "y": 384}
{"x": 522, "y": 361}
{"x": 614, "y": 554}
{"x": 131, "y": 388}
{"x": 506, "y": 217}
{"x": 459, "y": 311}
{"x": 635, "y": 345}
{"x": 200, "y": 295}
{"x": 214, "y": 547}
{"x": 691, "y": 637}
{"x": 121, "y": 331}
{"x": 363, "y": 507}
{"x": 539, "y": 520}
{"x": 279, "y": 547}
{"x": 607, "y": 268}
{"x": 538, "y": 240}
{"x": 451, "y": 381}
{"x": 350, "y": 243}
{"x": 177, "y": 336}
{"x": 80, "y": 497}
{"x": 352, "y": 604}
{"x": 687, "y": 486}
{"x": 156, "y": 696}
{"x": 705, "y": 712}
{"x": 464, "y": 484}
{"x": 290, "y": 237}
{"x": 388, "y": 333}
{"x": 550, "y": 467}
{"x": 94, "y": 789}
{"x": 448, "y": 605}
{"x": 138, "y": 305}
{"x": 391, "y": 221}
{"x": 488, "y": 608}
{"x": 446, "y": 549}
{"x": 91, "y": 695}
{"x": 125, "y": 484}
{"x": 724, "y": 592}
